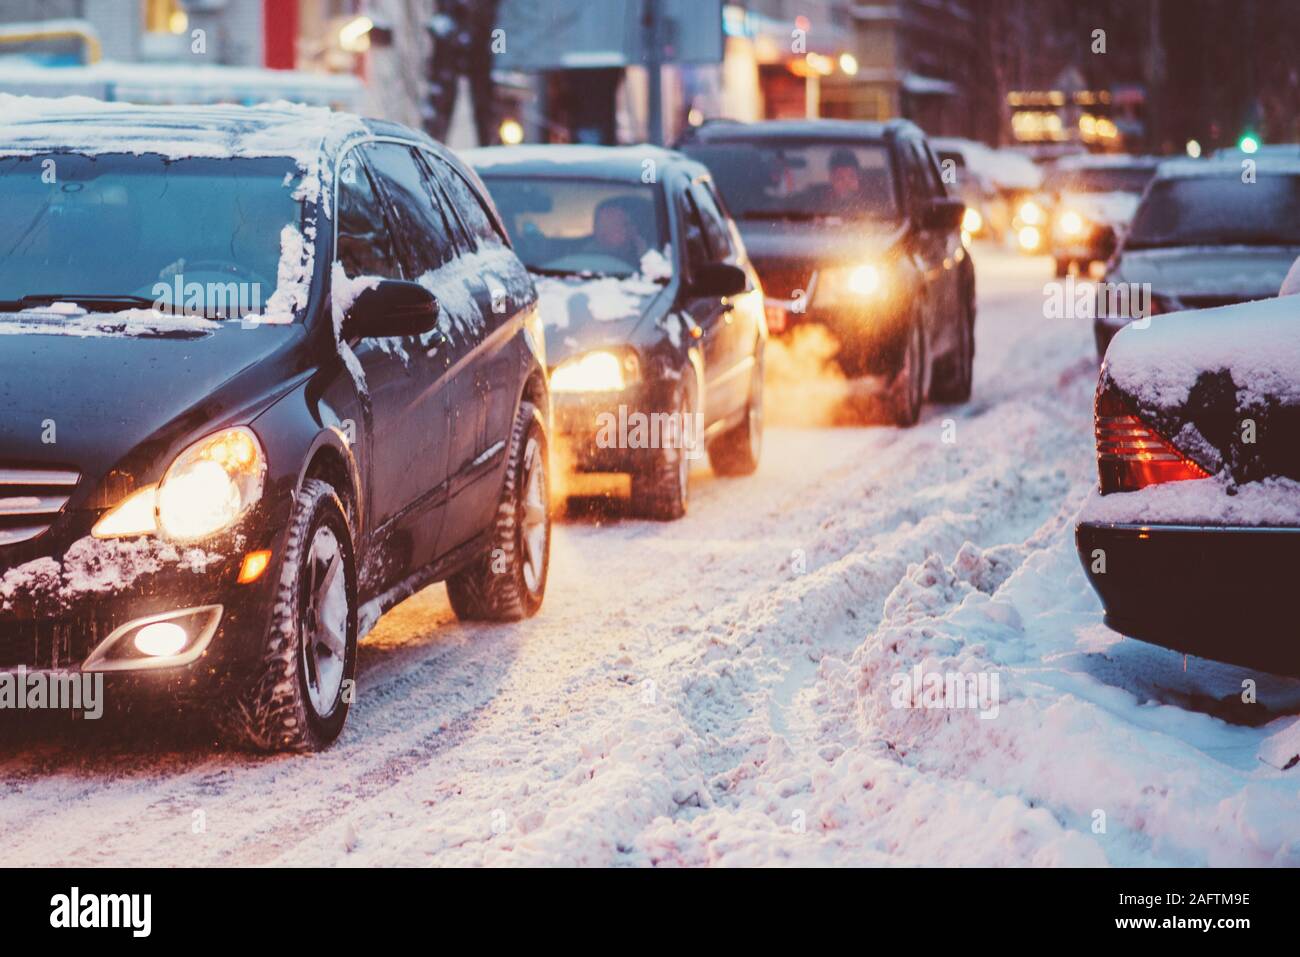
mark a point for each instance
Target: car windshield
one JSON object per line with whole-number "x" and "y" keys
{"x": 787, "y": 179}
{"x": 567, "y": 226}
{"x": 116, "y": 232}
{"x": 1219, "y": 211}
{"x": 1100, "y": 179}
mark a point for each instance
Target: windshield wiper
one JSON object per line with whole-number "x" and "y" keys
{"x": 108, "y": 303}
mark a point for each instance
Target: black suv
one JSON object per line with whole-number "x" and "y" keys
{"x": 263, "y": 374}
{"x": 653, "y": 314}
{"x": 850, "y": 226}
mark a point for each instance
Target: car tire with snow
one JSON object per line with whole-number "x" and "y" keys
{"x": 908, "y": 390}
{"x": 661, "y": 488}
{"x": 300, "y": 698}
{"x": 953, "y": 382}
{"x": 508, "y": 581}
{"x": 738, "y": 450}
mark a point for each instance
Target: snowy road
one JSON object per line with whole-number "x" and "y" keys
{"x": 721, "y": 689}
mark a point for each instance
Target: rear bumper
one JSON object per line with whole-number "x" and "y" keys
{"x": 1222, "y": 593}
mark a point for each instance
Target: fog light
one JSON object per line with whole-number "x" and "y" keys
{"x": 162, "y": 639}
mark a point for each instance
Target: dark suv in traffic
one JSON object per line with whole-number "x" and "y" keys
{"x": 263, "y": 374}
{"x": 851, "y": 227}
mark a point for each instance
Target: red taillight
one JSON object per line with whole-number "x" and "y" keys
{"x": 1132, "y": 455}
{"x": 777, "y": 319}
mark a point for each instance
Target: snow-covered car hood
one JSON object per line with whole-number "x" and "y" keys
{"x": 816, "y": 242}
{"x": 584, "y": 313}
{"x": 1109, "y": 209}
{"x": 1239, "y": 272}
{"x": 106, "y": 393}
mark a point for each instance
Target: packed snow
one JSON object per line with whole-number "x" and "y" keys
{"x": 879, "y": 649}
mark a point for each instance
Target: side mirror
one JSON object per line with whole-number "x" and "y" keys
{"x": 719, "y": 280}
{"x": 394, "y": 307}
{"x": 942, "y": 214}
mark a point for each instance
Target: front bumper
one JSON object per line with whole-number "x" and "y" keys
{"x": 598, "y": 430}
{"x": 1216, "y": 592}
{"x": 58, "y": 612}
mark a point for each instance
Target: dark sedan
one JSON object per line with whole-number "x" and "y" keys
{"x": 263, "y": 373}
{"x": 654, "y": 317}
{"x": 1194, "y": 539}
{"x": 851, "y": 227}
{"x": 1207, "y": 233}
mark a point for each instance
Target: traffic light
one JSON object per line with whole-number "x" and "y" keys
{"x": 1248, "y": 143}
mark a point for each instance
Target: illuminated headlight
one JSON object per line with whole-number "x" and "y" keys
{"x": 1031, "y": 214}
{"x": 1071, "y": 223}
{"x": 1030, "y": 238}
{"x": 971, "y": 221}
{"x": 866, "y": 281}
{"x": 209, "y": 487}
{"x": 595, "y": 372}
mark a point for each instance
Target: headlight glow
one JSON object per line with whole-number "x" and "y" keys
{"x": 209, "y": 487}
{"x": 1031, "y": 214}
{"x": 1071, "y": 223}
{"x": 971, "y": 220}
{"x": 840, "y": 285}
{"x": 1030, "y": 238}
{"x": 864, "y": 280}
{"x": 593, "y": 372}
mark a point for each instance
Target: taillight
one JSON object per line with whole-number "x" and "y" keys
{"x": 1132, "y": 455}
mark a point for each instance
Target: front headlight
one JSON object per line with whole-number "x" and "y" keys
{"x": 1031, "y": 213}
{"x": 866, "y": 281}
{"x": 209, "y": 487}
{"x": 1071, "y": 223}
{"x": 971, "y": 220}
{"x": 595, "y": 372}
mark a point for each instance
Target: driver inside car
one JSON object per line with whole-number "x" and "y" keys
{"x": 615, "y": 233}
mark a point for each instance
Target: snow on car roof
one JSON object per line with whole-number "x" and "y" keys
{"x": 1258, "y": 343}
{"x": 78, "y": 124}
{"x": 616, "y": 158}
{"x": 1183, "y": 167}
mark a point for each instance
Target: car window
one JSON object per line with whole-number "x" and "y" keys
{"x": 916, "y": 180}
{"x": 365, "y": 244}
{"x": 466, "y": 202}
{"x": 1218, "y": 211}
{"x": 716, "y": 234}
{"x": 423, "y": 231}
{"x": 693, "y": 236}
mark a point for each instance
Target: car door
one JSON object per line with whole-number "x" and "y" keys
{"x": 929, "y": 247}
{"x": 708, "y": 313}
{"x": 741, "y": 315}
{"x": 487, "y": 385}
{"x": 418, "y": 453}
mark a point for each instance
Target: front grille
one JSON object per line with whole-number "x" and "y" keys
{"x": 31, "y": 500}
{"x": 50, "y": 645}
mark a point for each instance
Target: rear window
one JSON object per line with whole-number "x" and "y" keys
{"x": 1122, "y": 179}
{"x": 792, "y": 179}
{"x": 1219, "y": 211}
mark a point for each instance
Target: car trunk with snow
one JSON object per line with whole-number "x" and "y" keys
{"x": 1194, "y": 537}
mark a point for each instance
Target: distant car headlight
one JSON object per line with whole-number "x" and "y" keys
{"x": 208, "y": 488}
{"x": 1030, "y": 238}
{"x": 1031, "y": 213}
{"x": 971, "y": 221}
{"x": 1071, "y": 223}
{"x": 595, "y": 372}
{"x": 864, "y": 281}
